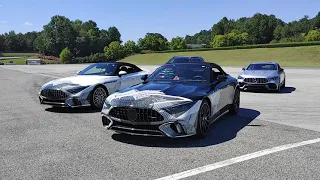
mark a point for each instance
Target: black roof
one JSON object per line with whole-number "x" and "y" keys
{"x": 212, "y": 65}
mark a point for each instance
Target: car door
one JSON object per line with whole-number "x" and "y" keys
{"x": 222, "y": 94}
{"x": 226, "y": 90}
{"x": 131, "y": 78}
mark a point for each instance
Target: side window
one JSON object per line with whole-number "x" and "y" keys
{"x": 278, "y": 67}
{"x": 197, "y": 60}
{"x": 129, "y": 69}
{"x": 215, "y": 73}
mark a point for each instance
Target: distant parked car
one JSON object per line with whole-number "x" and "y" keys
{"x": 11, "y": 63}
{"x": 267, "y": 75}
{"x": 1, "y": 63}
{"x": 185, "y": 59}
{"x": 91, "y": 86}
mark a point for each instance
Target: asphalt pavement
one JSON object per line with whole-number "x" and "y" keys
{"x": 41, "y": 142}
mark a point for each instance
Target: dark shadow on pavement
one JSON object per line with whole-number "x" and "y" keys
{"x": 285, "y": 90}
{"x": 221, "y": 131}
{"x": 72, "y": 110}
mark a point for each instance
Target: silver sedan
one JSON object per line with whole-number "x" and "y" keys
{"x": 258, "y": 75}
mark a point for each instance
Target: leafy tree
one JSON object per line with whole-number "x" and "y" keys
{"x": 130, "y": 47}
{"x": 316, "y": 21}
{"x": 65, "y": 55}
{"x": 219, "y": 41}
{"x": 58, "y": 33}
{"x": 114, "y": 51}
{"x": 114, "y": 34}
{"x": 2, "y": 45}
{"x": 313, "y": 35}
{"x": 177, "y": 43}
{"x": 154, "y": 42}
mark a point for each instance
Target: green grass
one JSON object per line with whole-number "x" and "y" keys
{"x": 21, "y": 61}
{"x": 18, "y": 54}
{"x": 304, "y": 56}
{"x": 23, "y": 57}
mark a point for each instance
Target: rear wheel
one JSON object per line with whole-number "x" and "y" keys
{"x": 203, "y": 122}
{"x": 235, "y": 106}
{"x": 98, "y": 96}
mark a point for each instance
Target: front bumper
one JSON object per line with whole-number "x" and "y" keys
{"x": 64, "y": 99}
{"x": 173, "y": 127}
{"x": 271, "y": 85}
{"x": 71, "y": 102}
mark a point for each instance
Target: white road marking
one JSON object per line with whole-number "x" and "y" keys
{"x": 235, "y": 160}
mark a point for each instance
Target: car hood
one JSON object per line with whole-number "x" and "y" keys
{"x": 160, "y": 94}
{"x": 80, "y": 80}
{"x": 259, "y": 73}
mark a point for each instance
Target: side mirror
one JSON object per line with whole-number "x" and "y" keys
{"x": 243, "y": 68}
{"x": 281, "y": 69}
{"x": 144, "y": 77}
{"x": 221, "y": 78}
{"x": 121, "y": 73}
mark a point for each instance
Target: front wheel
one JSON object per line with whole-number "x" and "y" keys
{"x": 98, "y": 96}
{"x": 235, "y": 106}
{"x": 203, "y": 122}
{"x": 284, "y": 83}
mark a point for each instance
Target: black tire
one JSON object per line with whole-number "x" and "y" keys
{"x": 284, "y": 83}
{"x": 278, "y": 90}
{"x": 96, "y": 101}
{"x": 235, "y": 106}
{"x": 203, "y": 121}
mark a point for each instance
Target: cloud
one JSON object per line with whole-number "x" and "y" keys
{"x": 3, "y": 21}
{"x": 27, "y": 23}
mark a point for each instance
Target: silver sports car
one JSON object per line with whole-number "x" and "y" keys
{"x": 176, "y": 100}
{"x": 267, "y": 75}
{"x": 91, "y": 86}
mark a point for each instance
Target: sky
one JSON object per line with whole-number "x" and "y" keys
{"x": 134, "y": 19}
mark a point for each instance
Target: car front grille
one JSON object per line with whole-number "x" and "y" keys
{"x": 255, "y": 80}
{"x": 136, "y": 114}
{"x": 54, "y": 94}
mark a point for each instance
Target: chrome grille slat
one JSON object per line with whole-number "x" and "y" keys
{"x": 54, "y": 94}
{"x": 256, "y": 80}
{"x": 143, "y": 115}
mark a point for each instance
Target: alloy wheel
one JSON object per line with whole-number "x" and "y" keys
{"x": 204, "y": 118}
{"x": 99, "y": 96}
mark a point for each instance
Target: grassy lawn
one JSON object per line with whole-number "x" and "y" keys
{"x": 21, "y": 61}
{"x": 18, "y": 54}
{"x": 304, "y": 56}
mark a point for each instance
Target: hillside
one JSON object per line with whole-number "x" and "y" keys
{"x": 306, "y": 56}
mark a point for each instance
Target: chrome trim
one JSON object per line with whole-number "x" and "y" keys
{"x": 130, "y": 133}
{"x": 222, "y": 114}
{"x": 133, "y": 129}
{"x": 255, "y": 80}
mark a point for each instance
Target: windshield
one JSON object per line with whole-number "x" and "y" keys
{"x": 182, "y": 72}
{"x": 103, "y": 69}
{"x": 184, "y": 60}
{"x": 262, "y": 67}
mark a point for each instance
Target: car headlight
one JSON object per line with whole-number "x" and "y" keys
{"x": 179, "y": 109}
{"x": 106, "y": 104}
{"x": 77, "y": 89}
{"x": 240, "y": 77}
{"x": 273, "y": 78}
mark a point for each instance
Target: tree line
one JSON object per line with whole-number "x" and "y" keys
{"x": 79, "y": 42}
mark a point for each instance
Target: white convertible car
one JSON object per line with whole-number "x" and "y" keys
{"x": 91, "y": 86}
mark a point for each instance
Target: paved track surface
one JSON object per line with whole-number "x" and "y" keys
{"x": 40, "y": 142}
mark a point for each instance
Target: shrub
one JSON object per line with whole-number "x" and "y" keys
{"x": 66, "y": 56}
